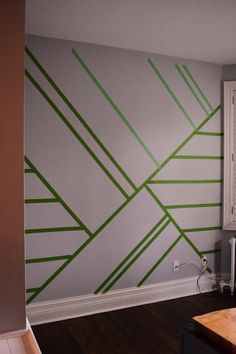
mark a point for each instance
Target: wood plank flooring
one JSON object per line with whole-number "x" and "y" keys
{"x": 147, "y": 329}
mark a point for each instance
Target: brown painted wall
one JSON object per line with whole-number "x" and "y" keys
{"x": 12, "y": 279}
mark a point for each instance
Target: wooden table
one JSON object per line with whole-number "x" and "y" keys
{"x": 220, "y": 327}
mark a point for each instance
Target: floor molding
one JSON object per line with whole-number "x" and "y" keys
{"x": 57, "y": 310}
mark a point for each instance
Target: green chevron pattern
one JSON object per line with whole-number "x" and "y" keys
{"x": 168, "y": 217}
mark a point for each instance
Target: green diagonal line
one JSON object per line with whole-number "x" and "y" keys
{"x": 185, "y": 181}
{"x": 133, "y": 260}
{"x": 57, "y": 196}
{"x": 81, "y": 248}
{"x": 53, "y": 229}
{"x": 47, "y": 259}
{"x": 191, "y": 244}
{"x": 58, "y": 271}
{"x": 41, "y": 200}
{"x": 171, "y": 92}
{"x": 31, "y": 290}
{"x": 191, "y": 89}
{"x": 113, "y": 105}
{"x": 203, "y": 205}
{"x": 189, "y": 137}
{"x": 197, "y": 87}
{"x": 202, "y": 229}
{"x": 211, "y": 251}
{"x": 75, "y": 133}
{"x": 210, "y": 133}
{"x": 78, "y": 115}
{"x": 118, "y": 210}
{"x": 116, "y": 270}
{"x": 198, "y": 157}
{"x": 159, "y": 261}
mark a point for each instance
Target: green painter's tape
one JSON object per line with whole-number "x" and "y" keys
{"x": 75, "y": 133}
{"x": 41, "y": 200}
{"x": 147, "y": 275}
{"x": 154, "y": 67}
{"x": 185, "y": 181}
{"x": 126, "y": 202}
{"x": 57, "y": 196}
{"x": 210, "y": 133}
{"x": 119, "y": 209}
{"x": 202, "y": 229}
{"x": 198, "y": 157}
{"x": 31, "y": 290}
{"x": 180, "y": 147}
{"x": 117, "y": 269}
{"x": 47, "y": 259}
{"x": 191, "y": 244}
{"x": 78, "y": 115}
{"x": 211, "y": 251}
{"x": 53, "y": 229}
{"x": 183, "y": 206}
{"x": 28, "y": 170}
{"x": 114, "y": 106}
{"x": 191, "y": 89}
{"x": 197, "y": 86}
{"x": 133, "y": 260}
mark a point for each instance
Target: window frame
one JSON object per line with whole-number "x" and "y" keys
{"x": 229, "y": 157}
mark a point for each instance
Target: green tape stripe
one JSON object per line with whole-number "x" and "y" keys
{"x": 183, "y": 206}
{"x": 133, "y": 260}
{"x": 191, "y": 89}
{"x": 53, "y": 229}
{"x": 75, "y": 133}
{"x": 185, "y": 181}
{"x": 154, "y": 67}
{"x": 202, "y": 229}
{"x": 57, "y": 196}
{"x": 117, "y": 211}
{"x": 172, "y": 155}
{"x": 47, "y": 259}
{"x": 116, "y": 270}
{"x": 28, "y": 170}
{"x": 147, "y": 275}
{"x": 82, "y": 247}
{"x": 114, "y": 106}
{"x": 198, "y": 157}
{"x": 191, "y": 244}
{"x": 210, "y": 133}
{"x": 58, "y": 271}
{"x": 41, "y": 200}
{"x": 211, "y": 251}
{"x": 78, "y": 115}
{"x": 31, "y": 290}
{"x": 197, "y": 87}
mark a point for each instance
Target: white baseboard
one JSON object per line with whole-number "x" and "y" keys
{"x": 57, "y": 310}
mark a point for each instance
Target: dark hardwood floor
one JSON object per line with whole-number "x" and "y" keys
{"x": 147, "y": 329}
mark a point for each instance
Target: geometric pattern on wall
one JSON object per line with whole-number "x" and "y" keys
{"x": 154, "y": 185}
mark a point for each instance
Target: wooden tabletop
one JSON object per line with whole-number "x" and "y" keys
{"x": 220, "y": 326}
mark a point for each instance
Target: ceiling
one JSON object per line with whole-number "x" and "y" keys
{"x": 196, "y": 29}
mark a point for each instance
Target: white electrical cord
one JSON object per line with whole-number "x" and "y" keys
{"x": 202, "y": 272}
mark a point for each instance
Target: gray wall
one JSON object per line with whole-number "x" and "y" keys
{"x": 229, "y": 72}
{"x": 118, "y": 188}
{"x": 12, "y": 274}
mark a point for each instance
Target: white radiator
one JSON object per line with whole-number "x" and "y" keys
{"x": 231, "y": 282}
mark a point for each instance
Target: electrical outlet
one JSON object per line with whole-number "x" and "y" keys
{"x": 175, "y": 266}
{"x": 204, "y": 262}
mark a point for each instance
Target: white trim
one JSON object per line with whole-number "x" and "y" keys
{"x": 57, "y": 310}
{"x": 228, "y": 223}
{"x": 20, "y": 334}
